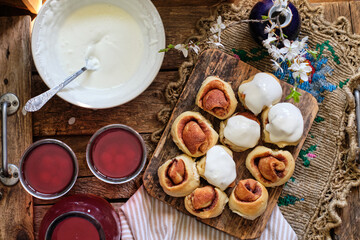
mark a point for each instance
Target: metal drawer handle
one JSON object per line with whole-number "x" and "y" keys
{"x": 9, "y": 173}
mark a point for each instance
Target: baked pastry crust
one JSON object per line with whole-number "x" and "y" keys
{"x": 178, "y": 177}
{"x": 216, "y": 97}
{"x": 227, "y": 142}
{"x": 242, "y": 95}
{"x": 193, "y": 134}
{"x": 249, "y": 199}
{"x": 200, "y": 165}
{"x": 206, "y": 202}
{"x": 270, "y": 167}
{"x": 266, "y": 135}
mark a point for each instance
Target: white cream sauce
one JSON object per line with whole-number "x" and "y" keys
{"x": 262, "y": 91}
{"x": 220, "y": 168}
{"x": 286, "y": 123}
{"x": 242, "y": 131}
{"x": 106, "y": 33}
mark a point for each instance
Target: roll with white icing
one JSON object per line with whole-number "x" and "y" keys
{"x": 240, "y": 132}
{"x": 218, "y": 167}
{"x": 260, "y": 91}
{"x": 283, "y": 124}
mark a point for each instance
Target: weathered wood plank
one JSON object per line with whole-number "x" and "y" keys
{"x": 355, "y": 15}
{"x": 179, "y": 24}
{"x": 335, "y": 10}
{"x": 40, "y": 211}
{"x": 349, "y": 228}
{"x": 94, "y": 186}
{"x": 16, "y": 212}
{"x": 350, "y": 214}
{"x": 139, "y": 113}
{"x": 228, "y": 68}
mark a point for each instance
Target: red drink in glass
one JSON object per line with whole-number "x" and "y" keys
{"x": 75, "y": 228}
{"x": 116, "y": 154}
{"x": 48, "y": 169}
{"x": 81, "y": 217}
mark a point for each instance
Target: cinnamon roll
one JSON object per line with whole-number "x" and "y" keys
{"x": 240, "y": 132}
{"x": 260, "y": 91}
{"x": 193, "y": 134}
{"x": 217, "y": 167}
{"x": 206, "y": 202}
{"x": 249, "y": 199}
{"x": 178, "y": 177}
{"x": 216, "y": 97}
{"x": 270, "y": 167}
{"x": 283, "y": 124}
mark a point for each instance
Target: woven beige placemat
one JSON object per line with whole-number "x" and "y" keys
{"x": 324, "y": 185}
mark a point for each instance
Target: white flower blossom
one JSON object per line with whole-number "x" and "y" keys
{"x": 267, "y": 42}
{"x": 214, "y": 43}
{"x": 276, "y": 65}
{"x": 301, "y": 56}
{"x": 303, "y": 42}
{"x": 290, "y": 50}
{"x": 301, "y": 70}
{"x": 194, "y": 47}
{"x": 280, "y": 4}
{"x": 218, "y": 27}
{"x": 183, "y": 48}
{"x": 275, "y": 53}
{"x": 269, "y": 29}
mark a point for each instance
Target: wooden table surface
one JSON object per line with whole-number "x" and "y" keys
{"x": 179, "y": 17}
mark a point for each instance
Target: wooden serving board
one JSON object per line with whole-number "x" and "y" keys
{"x": 234, "y": 71}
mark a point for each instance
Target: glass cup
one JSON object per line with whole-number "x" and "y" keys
{"x": 116, "y": 154}
{"x": 48, "y": 169}
{"x": 82, "y": 217}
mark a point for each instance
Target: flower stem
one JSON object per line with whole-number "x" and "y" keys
{"x": 280, "y": 29}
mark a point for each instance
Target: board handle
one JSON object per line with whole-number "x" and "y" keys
{"x": 9, "y": 173}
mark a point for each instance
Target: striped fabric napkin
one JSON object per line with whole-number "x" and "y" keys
{"x": 146, "y": 218}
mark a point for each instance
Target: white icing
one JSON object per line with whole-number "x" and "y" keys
{"x": 242, "y": 131}
{"x": 286, "y": 123}
{"x": 104, "y": 32}
{"x": 262, "y": 91}
{"x": 220, "y": 168}
{"x": 92, "y": 63}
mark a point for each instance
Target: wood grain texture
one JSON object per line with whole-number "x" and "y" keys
{"x": 16, "y": 212}
{"x": 350, "y": 215}
{"x": 228, "y": 68}
{"x": 40, "y": 212}
{"x": 92, "y": 185}
{"x": 139, "y": 113}
{"x": 355, "y": 16}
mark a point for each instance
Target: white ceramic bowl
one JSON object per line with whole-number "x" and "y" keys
{"x": 44, "y": 37}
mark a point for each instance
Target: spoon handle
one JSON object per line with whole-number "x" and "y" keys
{"x": 35, "y": 103}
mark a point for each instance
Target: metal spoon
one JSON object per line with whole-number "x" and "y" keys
{"x": 35, "y": 103}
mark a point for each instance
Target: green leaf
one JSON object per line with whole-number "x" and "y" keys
{"x": 163, "y": 50}
{"x": 294, "y": 95}
{"x": 170, "y": 46}
{"x": 264, "y": 17}
{"x": 313, "y": 53}
{"x": 285, "y": 36}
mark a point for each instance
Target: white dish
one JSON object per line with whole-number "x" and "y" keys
{"x": 45, "y": 38}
